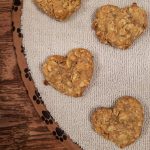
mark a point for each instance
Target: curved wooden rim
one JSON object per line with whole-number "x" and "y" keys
{"x": 33, "y": 93}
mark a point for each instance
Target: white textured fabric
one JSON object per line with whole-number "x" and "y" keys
{"x": 117, "y": 72}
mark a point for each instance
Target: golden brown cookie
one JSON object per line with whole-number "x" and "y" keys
{"x": 119, "y": 27}
{"x": 58, "y": 9}
{"x": 121, "y": 124}
{"x": 71, "y": 74}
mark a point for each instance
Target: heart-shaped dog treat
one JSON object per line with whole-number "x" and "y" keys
{"x": 58, "y": 9}
{"x": 71, "y": 74}
{"x": 121, "y": 124}
{"x": 119, "y": 27}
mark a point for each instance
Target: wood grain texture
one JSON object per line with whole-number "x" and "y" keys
{"x": 20, "y": 126}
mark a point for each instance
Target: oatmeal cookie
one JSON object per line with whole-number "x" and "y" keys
{"x": 121, "y": 124}
{"x": 119, "y": 27}
{"x": 71, "y": 74}
{"x": 58, "y": 9}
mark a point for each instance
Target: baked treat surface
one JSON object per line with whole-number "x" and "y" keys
{"x": 58, "y": 9}
{"x": 71, "y": 74}
{"x": 121, "y": 124}
{"x": 119, "y": 27}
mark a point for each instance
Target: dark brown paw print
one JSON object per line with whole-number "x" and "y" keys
{"x": 47, "y": 117}
{"x": 13, "y": 27}
{"x": 23, "y": 50}
{"x": 14, "y": 8}
{"x": 16, "y": 4}
{"x": 19, "y": 32}
{"x": 27, "y": 74}
{"x": 60, "y": 134}
{"x": 37, "y": 98}
{"x": 78, "y": 145}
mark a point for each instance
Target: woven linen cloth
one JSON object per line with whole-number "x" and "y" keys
{"x": 116, "y": 72}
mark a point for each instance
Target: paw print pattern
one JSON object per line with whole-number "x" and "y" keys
{"x": 37, "y": 97}
{"x": 16, "y": 4}
{"x": 27, "y": 74}
{"x": 78, "y": 145}
{"x": 19, "y": 32}
{"x": 23, "y": 50}
{"x": 13, "y": 27}
{"x": 47, "y": 117}
{"x": 60, "y": 134}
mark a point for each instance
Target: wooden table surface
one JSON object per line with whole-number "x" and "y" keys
{"x": 20, "y": 126}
